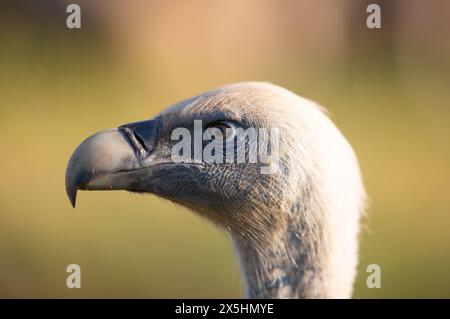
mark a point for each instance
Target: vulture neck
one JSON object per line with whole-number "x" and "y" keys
{"x": 292, "y": 262}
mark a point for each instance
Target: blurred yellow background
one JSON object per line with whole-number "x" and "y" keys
{"x": 387, "y": 90}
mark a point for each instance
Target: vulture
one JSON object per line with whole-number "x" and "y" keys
{"x": 294, "y": 229}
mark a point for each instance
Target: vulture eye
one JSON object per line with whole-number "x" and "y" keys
{"x": 222, "y": 130}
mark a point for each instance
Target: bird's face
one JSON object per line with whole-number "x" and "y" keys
{"x": 199, "y": 153}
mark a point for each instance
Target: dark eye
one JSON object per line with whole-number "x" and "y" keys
{"x": 221, "y": 130}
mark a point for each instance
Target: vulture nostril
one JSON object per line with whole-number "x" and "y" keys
{"x": 135, "y": 141}
{"x": 142, "y": 136}
{"x": 140, "y": 140}
{"x": 146, "y": 137}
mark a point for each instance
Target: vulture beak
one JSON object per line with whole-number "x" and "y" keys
{"x": 110, "y": 159}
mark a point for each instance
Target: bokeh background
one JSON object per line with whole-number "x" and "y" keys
{"x": 387, "y": 89}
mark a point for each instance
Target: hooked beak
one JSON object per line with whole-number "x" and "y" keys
{"x": 109, "y": 159}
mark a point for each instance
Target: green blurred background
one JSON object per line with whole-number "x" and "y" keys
{"x": 388, "y": 90}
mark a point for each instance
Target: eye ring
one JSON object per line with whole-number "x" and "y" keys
{"x": 227, "y": 130}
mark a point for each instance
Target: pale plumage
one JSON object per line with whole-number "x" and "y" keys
{"x": 294, "y": 232}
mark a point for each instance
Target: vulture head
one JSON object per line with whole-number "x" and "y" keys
{"x": 259, "y": 161}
